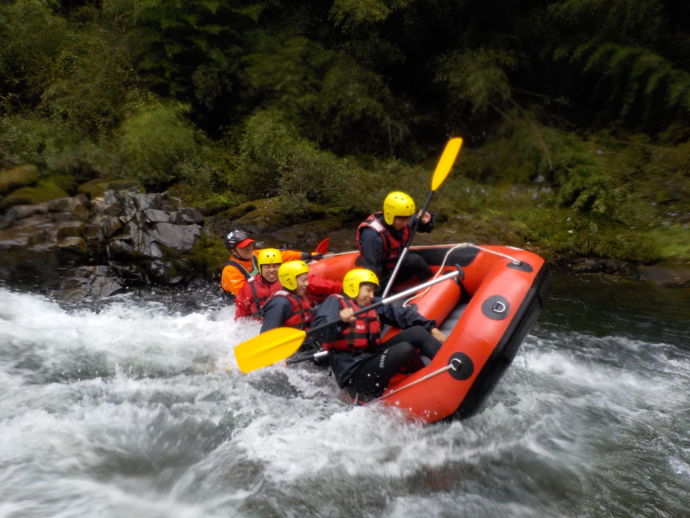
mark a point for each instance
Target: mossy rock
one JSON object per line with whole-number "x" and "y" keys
{"x": 97, "y": 187}
{"x": 46, "y": 190}
{"x": 204, "y": 200}
{"x": 258, "y": 215}
{"x": 17, "y": 177}
{"x": 208, "y": 254}
{"x": 66, "y": 182}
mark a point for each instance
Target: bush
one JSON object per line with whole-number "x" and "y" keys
{"x": 157, "y": 144}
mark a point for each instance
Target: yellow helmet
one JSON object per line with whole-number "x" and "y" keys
{"x": 269, "y": 256}
{"x": 397, "y": 203}
{"x": 354, "y": 278}
{"x": 288, "y": 272}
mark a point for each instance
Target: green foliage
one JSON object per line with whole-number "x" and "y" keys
{"x": 356, "y": 13}
{"x": 208, "y": 254}
{"x": 45, "y": 141}
{"x": 356, "y": 104}
{"x": 575, "y": 109}
{"x": 92, "y": 80}
{"x": 156, "y": 143}
{"x": 623, "y": 57}
{"x": 192, "y": 51}
{"x": 314, "y": 177}
{"x": 564, "y": 233}
{"x": 477, "y": 77}
{"x": 276, "y": 160}
{"x": 266, "y": 146}
{"x": 32, "y": 36}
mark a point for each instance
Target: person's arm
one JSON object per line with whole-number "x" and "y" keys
{"x": 328, "y": 311}
{"x": 321, "y": 287}
{"x": 232, "y": 279}
{"x": 276, "y": 312}
{"x": 372, "y": 250}
{"x": 404, "y": 317}
{"x": 243, "y": 302}
{"x": 424, "y": 227}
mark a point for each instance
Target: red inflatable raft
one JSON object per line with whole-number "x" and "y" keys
{"x": 485, "y": 316}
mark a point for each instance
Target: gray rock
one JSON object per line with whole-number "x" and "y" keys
{"x": 90, "y": 281}
{"x": 156, "y": 216}
{"x": 18, "y": 212}
{"x": 186, "y": 216}
{"x": 137, "y": 237}
{"x": 177, "y": 237}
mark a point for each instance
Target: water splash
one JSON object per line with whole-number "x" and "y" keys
{"x": 135, "y": 406}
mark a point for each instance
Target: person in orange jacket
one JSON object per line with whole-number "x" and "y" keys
{"x": 242, "y": 265}
{"x": 256, "y": 292}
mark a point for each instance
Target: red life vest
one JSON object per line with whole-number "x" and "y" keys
{"x": 261, "y": 292}
{"x": 363, "y": 332}
{"x": 392, "y": 247}
{"x": 301, "y": 314}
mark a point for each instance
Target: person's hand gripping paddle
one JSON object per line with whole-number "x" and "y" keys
{"x": 445, "y": 164}
{"x": 280, "y": 343}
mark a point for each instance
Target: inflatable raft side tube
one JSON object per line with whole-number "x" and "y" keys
{"x": 507, "y": 348}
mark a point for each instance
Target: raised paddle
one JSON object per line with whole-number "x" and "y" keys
{"x": 322, "y": 247}
{"x": 445, "y": 164}
{"x": 279, "y": 343}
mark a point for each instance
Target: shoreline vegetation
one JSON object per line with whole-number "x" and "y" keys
{"x": 296, "y": 118}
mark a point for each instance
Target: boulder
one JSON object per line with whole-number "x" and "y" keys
{"x": 44, "y": 191}
{"x": 16, "y": 177}
{"x": 90, "y": 282}
{"x": 122, "y": 238}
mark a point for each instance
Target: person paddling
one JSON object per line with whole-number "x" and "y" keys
{"x": 363, "y": 364}
{"x": 382, "y": 236}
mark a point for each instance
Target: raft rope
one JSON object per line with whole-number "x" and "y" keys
{"x": 445, "y": 259}
{"x": 448, "y": 367}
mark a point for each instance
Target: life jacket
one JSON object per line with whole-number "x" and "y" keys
{"x": 242, "y": 269}
{"x": 261, "y": 292}
{"x": 364, "y": 332}
{"x": 392, "y": 246}
{"x": 301, "y": 310}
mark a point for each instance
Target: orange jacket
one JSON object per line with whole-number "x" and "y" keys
{"x": 233, "y": 278}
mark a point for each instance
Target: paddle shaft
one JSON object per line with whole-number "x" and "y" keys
{"x": 392, "y": 298}
{"x": 445, "y": 164}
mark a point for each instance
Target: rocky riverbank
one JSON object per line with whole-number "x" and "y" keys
{"x": 100, "y": 245}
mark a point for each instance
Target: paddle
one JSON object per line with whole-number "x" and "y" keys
{"x": 279, "y": 343}
{"x": 322, "y": 247}
{"x": 445, "y": 164}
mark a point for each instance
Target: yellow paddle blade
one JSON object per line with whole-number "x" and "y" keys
{"x": 268, "y": 348}
{"x": 445, "y": 163}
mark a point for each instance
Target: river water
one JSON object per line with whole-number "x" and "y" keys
{"x": 133, "y": 407}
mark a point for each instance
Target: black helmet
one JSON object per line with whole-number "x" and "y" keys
{"x": 235, "y": 237}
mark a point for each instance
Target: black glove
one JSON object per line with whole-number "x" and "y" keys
{"x": 311, "y": 256}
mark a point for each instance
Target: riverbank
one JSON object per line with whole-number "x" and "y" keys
{"x": 112, "y": 237}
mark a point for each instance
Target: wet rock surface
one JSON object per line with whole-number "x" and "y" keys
{"x": 99, "y": 247}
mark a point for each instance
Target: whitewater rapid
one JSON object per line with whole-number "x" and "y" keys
{"x": 134, "y": 407}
